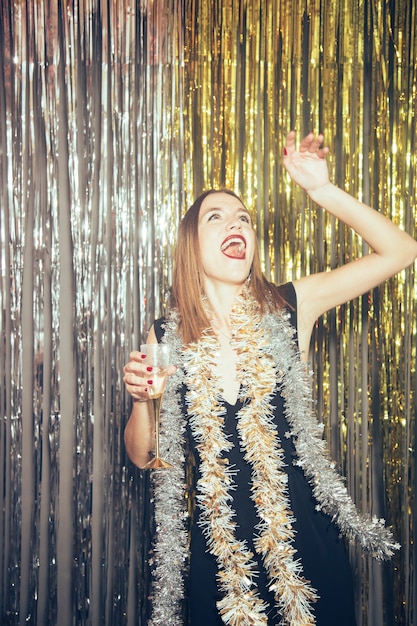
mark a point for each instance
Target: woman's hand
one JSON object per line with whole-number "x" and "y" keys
{"x": 138, "y": 376}
{"x": 307, "y": 166}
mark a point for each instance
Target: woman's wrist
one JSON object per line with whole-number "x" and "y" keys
{"x": 139, "y": 400}
{"x": 320, "y": 193}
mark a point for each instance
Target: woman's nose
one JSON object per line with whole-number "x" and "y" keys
{"x": 235, "y": 223}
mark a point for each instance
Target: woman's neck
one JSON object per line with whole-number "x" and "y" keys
{"x": 221, "y": 300}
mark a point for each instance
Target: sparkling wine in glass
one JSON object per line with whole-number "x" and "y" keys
{"x": 157, "y": 356}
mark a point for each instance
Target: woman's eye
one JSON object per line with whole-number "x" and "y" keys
{"x": 213, "y": 216}
{"x": 245, "y": 218}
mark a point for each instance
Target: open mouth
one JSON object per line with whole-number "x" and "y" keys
{"x": 234, "y": 247}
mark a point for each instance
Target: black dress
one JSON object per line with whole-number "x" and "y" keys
{"x": 322, "y": 552}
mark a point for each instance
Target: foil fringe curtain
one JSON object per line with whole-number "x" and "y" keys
{"x": 113, "y": 117}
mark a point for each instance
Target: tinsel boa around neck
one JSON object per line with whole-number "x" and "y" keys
{"x": 266, "y": 355}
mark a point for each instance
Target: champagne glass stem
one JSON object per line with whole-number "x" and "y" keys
{"x": 157, "y": 411}
{"x": 157, "y": 462}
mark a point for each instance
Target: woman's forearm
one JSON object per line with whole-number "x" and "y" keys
{"x": 382, "y": 235}
{"x": 139, "y": 433}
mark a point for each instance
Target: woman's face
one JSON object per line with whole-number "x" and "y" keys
{"x": 226, "y": 239}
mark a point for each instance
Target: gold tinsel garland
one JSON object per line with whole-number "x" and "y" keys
{"x": 257, "y": 374}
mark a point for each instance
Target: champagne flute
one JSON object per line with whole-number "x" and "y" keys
{"x": 157, "y": 356}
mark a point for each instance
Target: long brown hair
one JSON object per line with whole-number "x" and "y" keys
{"x": 187, "y": 286}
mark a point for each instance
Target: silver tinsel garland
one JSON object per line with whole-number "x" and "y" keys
{"x": 328, "y": 486}
{"x": 170, "y": 551}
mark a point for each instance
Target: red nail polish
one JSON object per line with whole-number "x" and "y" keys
{"x": 150, "y": 382}
{"x": 143, "y": 356}
{"x": 285, "y": 151}
{"x": 149, "y": 369}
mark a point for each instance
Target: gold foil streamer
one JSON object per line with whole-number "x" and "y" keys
{"x": 113, "y": 116}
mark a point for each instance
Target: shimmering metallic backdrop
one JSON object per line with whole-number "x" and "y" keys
{"x": 114, "y": 114}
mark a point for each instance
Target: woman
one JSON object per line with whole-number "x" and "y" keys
{"x": 248, "y": 522}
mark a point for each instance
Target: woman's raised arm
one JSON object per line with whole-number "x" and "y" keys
{"x": 392, "y": 249}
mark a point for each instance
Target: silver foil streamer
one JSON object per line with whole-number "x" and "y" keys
{"x": 91, "y": 170}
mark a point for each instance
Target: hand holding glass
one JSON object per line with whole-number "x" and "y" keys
{"x": 157, "y": 356}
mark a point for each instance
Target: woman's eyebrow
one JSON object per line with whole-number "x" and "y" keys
{"x": 210, "y": 209}
{"x": 222, "y": 209}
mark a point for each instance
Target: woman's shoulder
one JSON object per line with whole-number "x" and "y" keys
{"x": 288, "y": 294}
